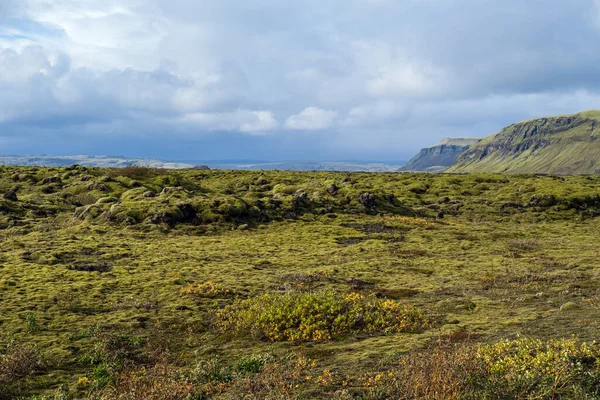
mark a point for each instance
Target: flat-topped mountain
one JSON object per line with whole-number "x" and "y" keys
{"x": 563, "y": 145}
{"x": 441, "y": 156}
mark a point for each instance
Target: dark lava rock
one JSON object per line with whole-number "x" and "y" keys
{"x": 290, "y": 215}
{"x": 98, "y": 186}
{"x": 52, "y": 179}
{"x": 12, "y": 196}
{"x": 301, "y": 199}
{"x": 332, "y": 189}
{"x": 188, "y": 211}
{"x": 161, "y": 218}
{"x": 511, "y": 204}
{"x": 168, "y": 190}
{"x": 367, "y": 200}
{"x": 544, "y": 200}
{"x": 101, "y": 267}
{"x": 358, "y": 284}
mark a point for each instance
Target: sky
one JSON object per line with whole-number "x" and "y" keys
{"x": 318, "y": 80}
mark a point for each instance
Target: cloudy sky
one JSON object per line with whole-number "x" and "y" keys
{"x": 286, "y": 80}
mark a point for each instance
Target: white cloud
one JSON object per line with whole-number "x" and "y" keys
{"x": 259, "y": 122}
{"x": 246, "y": 121}
{"x": 311, "y": 119}
{"x": 378, "y": 113}
{"x": 405, "y": 80}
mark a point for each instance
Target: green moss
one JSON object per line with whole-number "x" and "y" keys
{"x": 491, "y": 255}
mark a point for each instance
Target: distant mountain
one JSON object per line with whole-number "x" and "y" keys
{"x": 563, "y": 145}
{"x": 441, "y": 156}
{"x": 92, "y": 161}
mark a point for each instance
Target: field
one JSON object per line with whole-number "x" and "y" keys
{"x": 141, "y": 283}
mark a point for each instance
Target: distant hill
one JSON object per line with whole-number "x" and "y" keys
{"x": 118, "y": 161}
{"x": 348, "y": 166}
{"x": 441, "y": 156}
{"x": 89, "y": 161}
{"x": 563, "y": 145}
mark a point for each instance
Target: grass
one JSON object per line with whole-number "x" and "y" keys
{"x": 126, "y": 296}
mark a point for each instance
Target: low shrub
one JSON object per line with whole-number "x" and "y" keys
{"x": 17, "y": 362}
{"x": 134, "y": 172}
{"x": 160, "y": 382}
{"x": 523, "y": 245}
{"x": 85, "y": 199}
{"x": 303, "y": 281}
{"x": 525, "y": 369}
{"x": 257, "y": 377}
{"x": 279, "y": 379}
{"x": 318, "y": 316}
{"x": 112, "y": 354}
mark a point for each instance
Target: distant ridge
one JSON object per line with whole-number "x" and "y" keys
{"x": 342, "y": 166}
{"x": 89, "y": 161}
{"x": 439, "y": 157}
{"x": 562, "y": 145}
{"x": 120, "y": 161}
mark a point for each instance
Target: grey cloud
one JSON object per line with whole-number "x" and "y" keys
{"x": 37, "y": 85}
{"x": 370, "y": 77}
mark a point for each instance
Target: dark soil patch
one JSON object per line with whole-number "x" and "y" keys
{"x": 101, "y": 267}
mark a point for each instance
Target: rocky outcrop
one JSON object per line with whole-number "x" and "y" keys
{"x": 441, "y": 156}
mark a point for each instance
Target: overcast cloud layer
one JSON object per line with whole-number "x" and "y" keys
{"x": 276, "y": 80}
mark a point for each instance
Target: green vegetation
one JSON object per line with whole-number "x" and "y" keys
{"x": 566, "y": 145}
{"x": 151, "y": 284}
{"x": 460, "y": 141}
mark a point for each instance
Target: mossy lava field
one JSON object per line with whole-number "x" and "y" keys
{"x": 142, "y": 283}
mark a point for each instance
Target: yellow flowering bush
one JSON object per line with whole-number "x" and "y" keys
{"x": 83, "y": 383}
{"x": 318, "y": 316}
{"x": 208, "y": 289}
{"x": 537, "y": 369}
